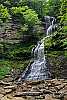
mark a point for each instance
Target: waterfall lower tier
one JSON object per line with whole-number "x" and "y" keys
{"x": 38, "y": 71}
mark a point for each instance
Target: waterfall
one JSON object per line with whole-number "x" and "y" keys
{"x": 38, "y": 69}
{"x": 52, "y": 25}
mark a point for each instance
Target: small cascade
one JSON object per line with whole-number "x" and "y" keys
{"x": 39, "y": 51}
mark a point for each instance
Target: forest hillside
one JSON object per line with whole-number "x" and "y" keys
{"x": 22, "y": 26}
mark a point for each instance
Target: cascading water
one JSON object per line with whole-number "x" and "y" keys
{"x": 38, "y": 69}
{"x": 52, "y": 26}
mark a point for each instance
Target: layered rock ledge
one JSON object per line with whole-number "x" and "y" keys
{"x": 55, "y": 89}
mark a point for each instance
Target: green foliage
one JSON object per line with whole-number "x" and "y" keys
{"x": 55, "y": 42}
{"x": 4, "y": 15}
{"x": 44, "y": 7}
{"x": 58, "y": 9}
{"x": 24, "y": 29}
{"x": 30, "y": 16}
{"x": 40, "y": 6}
{"x": 54, "y": 7}
{"x": 5, "y": 68}
{"x": 65, "y": 42}
{"x": 16, "y": 10}
{"x": 22, "y": 2}
{"x": 20, "y": 51}
{"x": 20, "y": 65}
{"x": 28, "y": 19}
{"x": 65, "y": 54}
{"x": 63, "y": 15}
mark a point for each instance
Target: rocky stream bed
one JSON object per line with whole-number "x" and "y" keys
{"x": 55, "y": 89}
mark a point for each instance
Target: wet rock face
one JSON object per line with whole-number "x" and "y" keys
{"x": 34, "y": 90}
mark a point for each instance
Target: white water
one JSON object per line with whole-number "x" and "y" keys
{"x": 38, "y": 70}
{"x": 52, "y": 26}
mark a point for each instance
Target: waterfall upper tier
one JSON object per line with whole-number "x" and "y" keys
{"x": 50, "y": 24}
